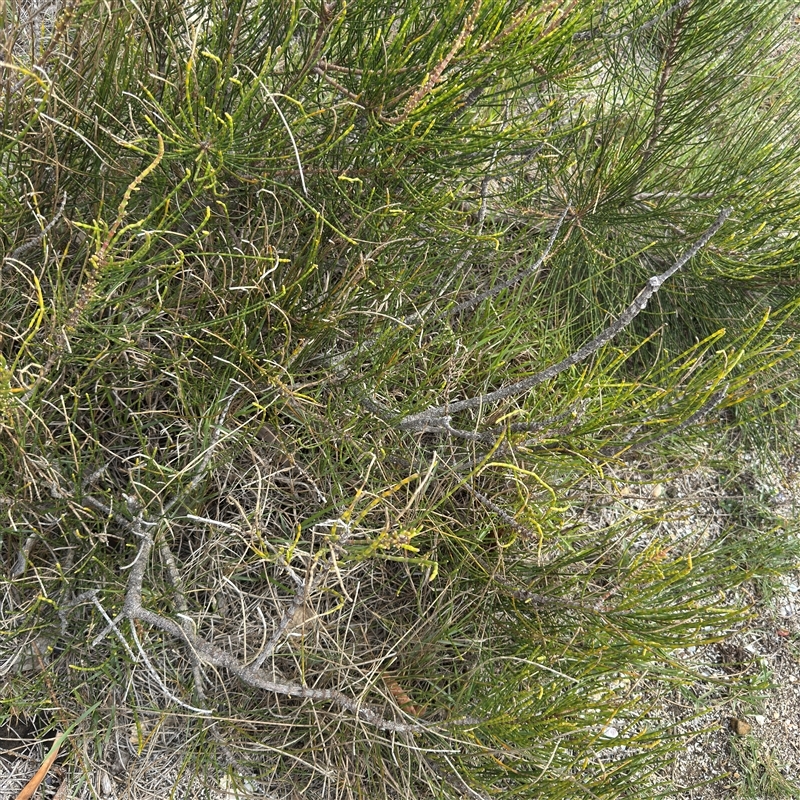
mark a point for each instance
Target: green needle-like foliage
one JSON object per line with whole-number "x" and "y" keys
{"x": 284, "y": 444}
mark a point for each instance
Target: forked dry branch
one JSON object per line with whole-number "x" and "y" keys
{"x": 205, "y": 653}
{"x": 150, "y": 534}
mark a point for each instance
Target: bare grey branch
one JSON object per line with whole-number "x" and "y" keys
{"x": 437, "y": 417}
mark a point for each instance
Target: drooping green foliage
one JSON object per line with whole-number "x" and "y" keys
{"x": 245, "y": 242}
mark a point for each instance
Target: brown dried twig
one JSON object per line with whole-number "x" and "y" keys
{"x": 436, "y": 75}
{"x": 33, "y": 784}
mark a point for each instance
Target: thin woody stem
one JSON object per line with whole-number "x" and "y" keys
{"x": 436, "y": 418}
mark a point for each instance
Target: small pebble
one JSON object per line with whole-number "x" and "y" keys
{"x": 740, "y": 727}
{"x": 760, "y": 719}
{"x": 610, "y": 732}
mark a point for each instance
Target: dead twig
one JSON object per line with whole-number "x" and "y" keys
{"x": 33, "y": 784}
{"x": 207, "y": 653}
{"x": 437, "y": 418}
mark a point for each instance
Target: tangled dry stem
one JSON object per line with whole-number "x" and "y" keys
{"x": 201, "y": 652}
